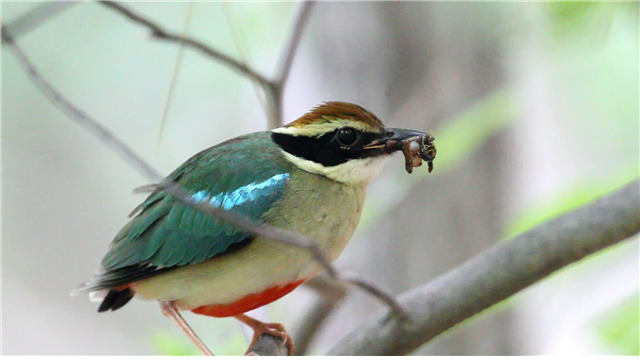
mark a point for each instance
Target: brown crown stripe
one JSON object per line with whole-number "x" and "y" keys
{"x": 340, "y": 110}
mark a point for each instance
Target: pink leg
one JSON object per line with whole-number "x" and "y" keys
{"x": 169, "y": 310}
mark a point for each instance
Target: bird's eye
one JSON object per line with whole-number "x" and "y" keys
{"x": 347, "y": 136}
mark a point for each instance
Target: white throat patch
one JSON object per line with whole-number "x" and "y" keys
{"x": 356, "y": 171}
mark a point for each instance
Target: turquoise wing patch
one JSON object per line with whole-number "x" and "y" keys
{"x": 169, "y": 233}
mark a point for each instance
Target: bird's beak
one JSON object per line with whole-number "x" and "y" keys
{"x": 393, "y": 139}
{"x": 415, "y": 145}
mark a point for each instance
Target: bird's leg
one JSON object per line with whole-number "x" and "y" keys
{"x": 260, "y": 328}
{"x": 169, "y": 310}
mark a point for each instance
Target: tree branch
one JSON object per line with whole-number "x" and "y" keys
{"x": 275, "y": 91}
{"x": 107, "y": 138}
{"x": 37, "y": 15}
{"x": 499, "y": 272}
{"x": 159, "y": 33}
{"x": 174, "y": 76}
{"x": 268, "y": 345}
{"x": 273, "y": 88}
{"x": 282, "y": 73}
{"x": 83, "y": 119}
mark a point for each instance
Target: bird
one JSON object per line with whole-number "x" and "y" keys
{"x": 309, "y": 177}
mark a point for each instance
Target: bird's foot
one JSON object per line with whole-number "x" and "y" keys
{"x": 260, "y": 328}
{"x": 273, "y": 329}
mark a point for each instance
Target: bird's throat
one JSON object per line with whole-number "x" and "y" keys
{"x": 357, "y": 171}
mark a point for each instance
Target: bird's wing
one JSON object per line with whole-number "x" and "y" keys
{"x": 167, "y": 233}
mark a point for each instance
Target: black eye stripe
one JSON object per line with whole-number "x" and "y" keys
{"x": 326, "y": 149}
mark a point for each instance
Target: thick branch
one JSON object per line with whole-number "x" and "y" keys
{"x": 501, "y": 271}
{"x": 268, "y": 345}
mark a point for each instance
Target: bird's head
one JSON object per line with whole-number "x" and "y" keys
{"x": 343, "y": 142}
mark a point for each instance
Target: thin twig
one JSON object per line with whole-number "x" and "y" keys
{"x": 396, "y": 309}
{"x": 284, "y": 68}
{"x": 37, "y": 15}
{"x": 273, "y": 99}
{"x": 107, "y": 138}
{"x": 160, "y": 33}
{"x": 245, "y": 55}
{"x": 326, "y": 287}
{"x": 275, "y": 90}
{"x": 78, "y": 115}
{"x": 175, "y": 75}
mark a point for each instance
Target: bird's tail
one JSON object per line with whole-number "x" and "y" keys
{"x": 112, "y": 299}
{"x": 115, "y": 299}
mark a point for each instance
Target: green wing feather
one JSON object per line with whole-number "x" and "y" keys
{"x": 239, "y": 175}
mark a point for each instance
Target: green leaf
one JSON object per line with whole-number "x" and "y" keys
{"x": 167, "y": 343}
{"x": 576, "y": 196}
{"x": 619, "y": 327}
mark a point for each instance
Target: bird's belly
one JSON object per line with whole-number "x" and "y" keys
{"x": 226, "y": 279}
{"x": 249, "y": 302}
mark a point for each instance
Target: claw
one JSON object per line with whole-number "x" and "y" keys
{"x": 273, "y": 329}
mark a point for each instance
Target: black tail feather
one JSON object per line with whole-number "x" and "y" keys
{"x": 115, "y": 299}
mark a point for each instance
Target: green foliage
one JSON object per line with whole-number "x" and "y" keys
{"x": 227, "y": 339}
{"x": 167, "y": 343}
{"x": 573, "y": 18}
{"x": 619, "y": 328}
{"x": 468, "y": 131}
{"x": 576, "y": 196}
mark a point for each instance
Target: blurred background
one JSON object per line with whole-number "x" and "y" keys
{"x": 534, "y": 107}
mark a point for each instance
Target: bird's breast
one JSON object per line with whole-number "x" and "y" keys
{"x": 327, "y": 211}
